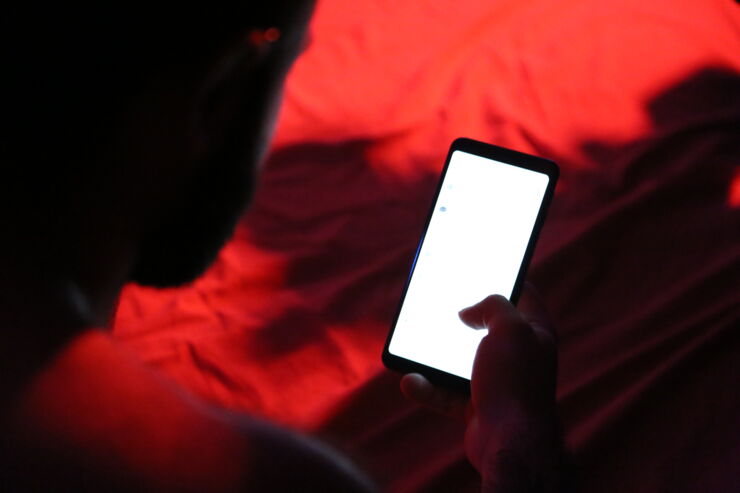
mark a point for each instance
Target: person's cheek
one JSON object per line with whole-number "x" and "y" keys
{"x": 272, "y": 115}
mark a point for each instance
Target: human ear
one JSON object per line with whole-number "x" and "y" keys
{"x": 239, "y": 94}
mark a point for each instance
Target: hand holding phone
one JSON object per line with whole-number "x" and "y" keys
{"x": 516, "y": 363}
{"x": 480, "y": 236}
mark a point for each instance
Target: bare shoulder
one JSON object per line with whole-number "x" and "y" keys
{"x": 96, "y": 418}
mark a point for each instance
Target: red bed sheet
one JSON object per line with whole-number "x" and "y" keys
{"x": 639, "y": 261}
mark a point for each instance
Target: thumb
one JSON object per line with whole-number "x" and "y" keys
{"x": 493, "y": 311}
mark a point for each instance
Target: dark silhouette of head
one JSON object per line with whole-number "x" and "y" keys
{"x": 137, "y": 130}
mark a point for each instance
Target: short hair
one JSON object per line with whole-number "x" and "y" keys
{"x": 73, "y": 59}
{"x": 67, "y": 69}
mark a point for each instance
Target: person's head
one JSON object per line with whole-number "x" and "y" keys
{"x": 140, "y": 129}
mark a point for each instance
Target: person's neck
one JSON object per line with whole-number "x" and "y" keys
{"x": 45, "y": 302}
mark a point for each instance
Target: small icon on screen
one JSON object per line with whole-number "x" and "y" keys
{"x": 443, "y": 209}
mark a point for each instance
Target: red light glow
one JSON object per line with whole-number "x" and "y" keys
{"x": 734, "y": 196}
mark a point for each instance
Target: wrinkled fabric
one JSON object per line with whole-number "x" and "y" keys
{"x": 639, "y": 260}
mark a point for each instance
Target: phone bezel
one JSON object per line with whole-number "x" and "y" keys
{"x": 501, "y": 154}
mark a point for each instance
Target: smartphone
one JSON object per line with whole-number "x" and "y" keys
{"x": 479, "y": 237}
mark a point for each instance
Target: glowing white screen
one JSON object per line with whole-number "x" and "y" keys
{"x": 474, "y": 246}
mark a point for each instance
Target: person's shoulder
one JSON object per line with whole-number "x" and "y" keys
{"x": 95, "y": 415}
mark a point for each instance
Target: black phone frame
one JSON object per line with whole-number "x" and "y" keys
{"x": 503, "y": 155}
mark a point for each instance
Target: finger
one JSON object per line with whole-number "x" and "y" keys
{"x": 418, "y": 389}
{"x": 532, "y": 308}
{"x": 494, "y": 312}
